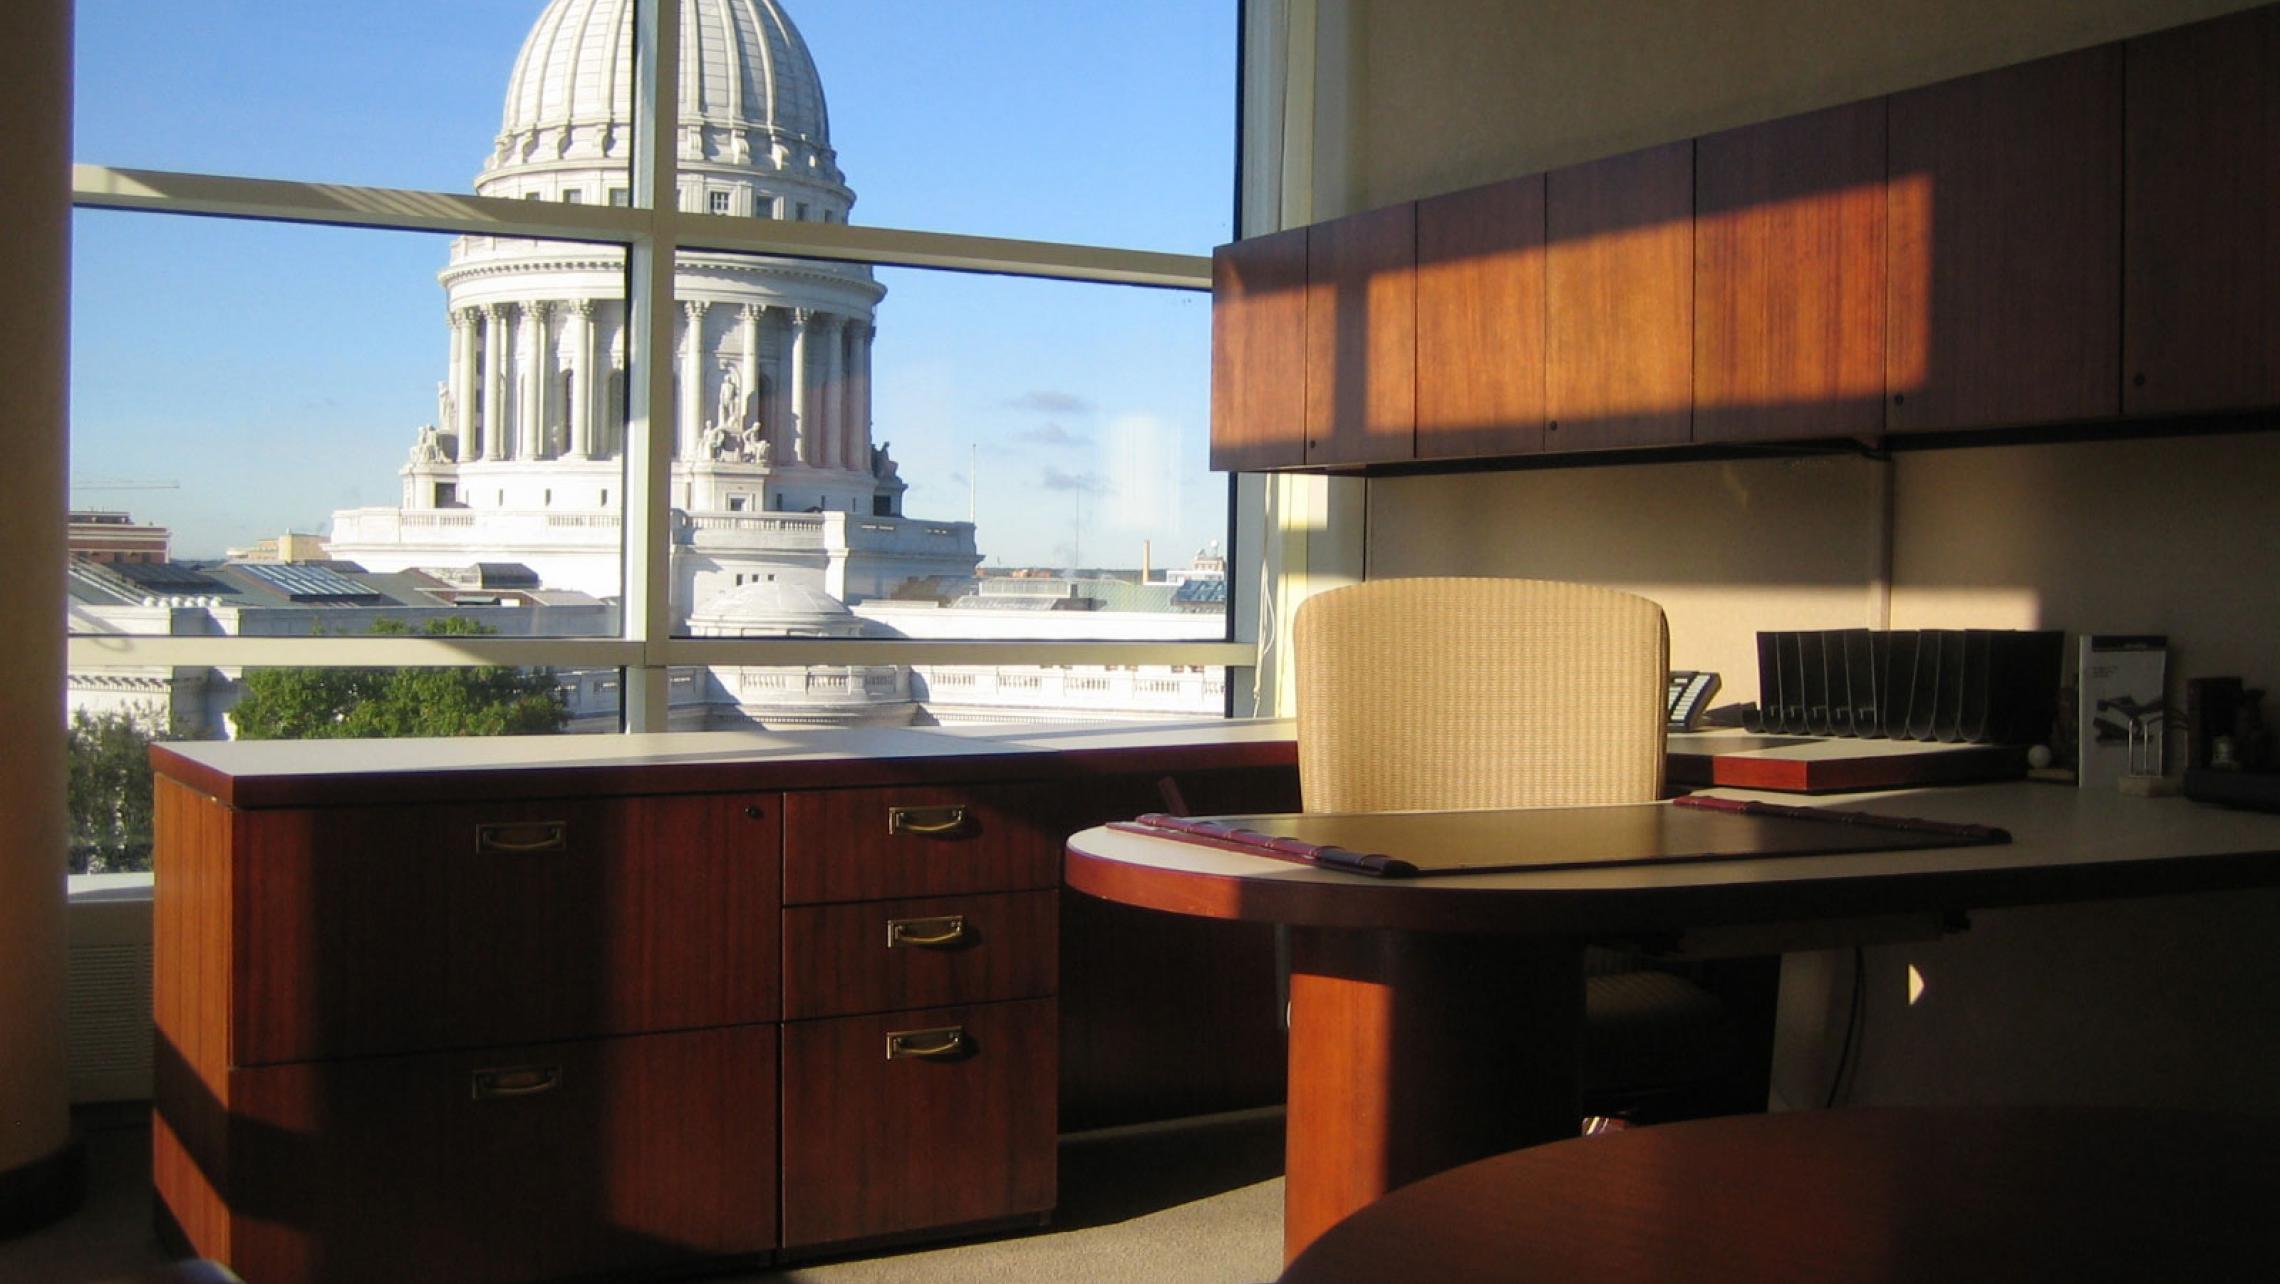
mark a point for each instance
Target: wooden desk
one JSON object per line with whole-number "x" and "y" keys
{"x": 1840, "y": 1197}
{"x": 1435, "y": 1021}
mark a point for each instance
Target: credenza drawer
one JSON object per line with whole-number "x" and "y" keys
{"x": 507, "y": 1164}
{"x": 382, "y": 930}
{"x": 933, "y": 1117}
{"x": 875, "y": 844}
{"x": 875, "y": 956}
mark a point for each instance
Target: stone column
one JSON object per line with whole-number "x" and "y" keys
{"x": 803, "y": 449}
{"x": 536, "y": 369}
{"x": 859, "y": 334}
{"x": 496, "y": 427}
{"x": 578, "y": 416}
{"x": 748, "y": 370}
{"x": 691, "y": 438}
{"x": 463, "y": 323}
{"x": 834, "y": 393}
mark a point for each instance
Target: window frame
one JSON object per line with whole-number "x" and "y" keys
{"x": 652, "y": 232}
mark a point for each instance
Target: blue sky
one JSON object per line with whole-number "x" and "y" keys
{"x": 278, "y": 372}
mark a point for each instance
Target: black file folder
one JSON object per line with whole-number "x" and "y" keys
{"x": 1968, "y": 686}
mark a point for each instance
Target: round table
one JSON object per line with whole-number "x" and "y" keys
{"x": 1895, "y": 1194}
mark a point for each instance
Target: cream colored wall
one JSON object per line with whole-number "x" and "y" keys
{"x": 35, "y": 88}
{"x": 2163, "y": 1001}
{"x": 1455, "y": 93}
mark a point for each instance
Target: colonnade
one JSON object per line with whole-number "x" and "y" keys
{"x": 507, "y": 395}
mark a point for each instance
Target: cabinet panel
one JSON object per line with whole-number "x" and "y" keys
{"x": 370, "y": 930}
{"x": 1789, "y": 278}
{"x": 1361, "y": 338}
{"x": 2201, "y": 327}
{"x": 2005, "y": 193}
{"x": 1480, "y": 321}
{"x": 876, "y": 956}
{"x": 1258, "y": 352}
{"x": 506, "y": 1164}
{"x": 923, "y": 840}
{"x": 874, "y": 1144}
{"x": 1619, "y": 277}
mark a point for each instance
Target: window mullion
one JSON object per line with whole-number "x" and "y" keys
{"x": 650, "y": 319}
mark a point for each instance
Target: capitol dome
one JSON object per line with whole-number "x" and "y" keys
{"x": 750, "y": 96}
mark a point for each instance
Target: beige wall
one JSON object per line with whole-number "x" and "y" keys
{"x": 2163, "y": 1001}
{"x": 35, "y": 146}
{"x": 1454, "y": 93}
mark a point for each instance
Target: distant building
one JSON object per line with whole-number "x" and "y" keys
{"x": 97, "y": 536}
{"x": 292, "y": 546}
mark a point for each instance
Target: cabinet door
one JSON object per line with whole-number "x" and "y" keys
{"x": 508, "y": 1164}
{"x": 1361, "y": 338}
{"x": 1258, "y": 352}
{"x": 371, "y": 930}
{"x": 2005, "y": 193}
{"x": 935, "y": 1117}
{"x": 1789, "y": 278}
{"x": 2201, "y": 325}
{"x": 1619, "y": 276}
{"x": 1480, "y": 321}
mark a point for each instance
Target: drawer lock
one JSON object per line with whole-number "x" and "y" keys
{"x": 522, "y": 837}
{"x": 932, "y": 933}
{"x": 516, "y": 1081}
{"x": 944, "y": 1044}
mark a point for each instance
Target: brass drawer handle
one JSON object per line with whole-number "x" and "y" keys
{"x": 930, "y": 1045}
{"x": 508, "y": 1082}
{"x": 946, "y": 929}
{"x": 926, "y": 820}
{"x": 521, "y": 837}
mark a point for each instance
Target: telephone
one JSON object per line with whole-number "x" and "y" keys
{"x": 1690, "y": 692}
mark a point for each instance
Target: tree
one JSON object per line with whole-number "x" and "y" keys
{"x": 109, "y": 792}
{"x": 359, "y": 704}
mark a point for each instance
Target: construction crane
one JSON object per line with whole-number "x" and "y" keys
{"x": 117, "y": 483}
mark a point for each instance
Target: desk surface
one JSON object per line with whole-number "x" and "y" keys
{"x": 2067, "y": 844}
{"x": 1844, "y": 1195}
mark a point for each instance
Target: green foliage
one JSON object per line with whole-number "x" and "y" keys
{"x": 358, "y": 704}
{"x": 109, "y": 792}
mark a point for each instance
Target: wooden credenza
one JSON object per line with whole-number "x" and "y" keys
{"x": 520, "y": 1010}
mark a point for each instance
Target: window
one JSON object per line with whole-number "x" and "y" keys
{"x": 1009, "y": 455}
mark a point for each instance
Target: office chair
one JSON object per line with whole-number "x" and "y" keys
{"x": 1446, "y": 693}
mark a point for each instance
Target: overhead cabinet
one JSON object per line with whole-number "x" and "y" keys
{"x": 1953, "y": 258}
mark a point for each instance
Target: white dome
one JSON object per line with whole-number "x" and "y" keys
{"x": 750, "y": 96}
{"x": 774, "y": 608}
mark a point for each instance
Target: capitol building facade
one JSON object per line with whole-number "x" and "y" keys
{"x": 775, "y": 474}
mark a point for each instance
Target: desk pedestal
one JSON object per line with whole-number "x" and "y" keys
{"x": 1413, "y": 1052}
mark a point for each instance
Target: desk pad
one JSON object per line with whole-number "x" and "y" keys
{"x": 1412, "y": 844}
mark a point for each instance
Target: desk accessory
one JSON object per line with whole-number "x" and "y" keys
{"x": 1960, "y": 686}
{"x": 2120, "y": 717}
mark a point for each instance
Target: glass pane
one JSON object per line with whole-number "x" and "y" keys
{"x": 1037, "y": 119}
{"x": 412, "y": 93}
{"x": 277, "y": 431}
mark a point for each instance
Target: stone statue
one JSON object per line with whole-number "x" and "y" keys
{"x": 718, "y": 442}
{"x": 883, "y": 465}
{"x": 730, "y": 414}
{"x": 757, "y": 445}
{"x": 444, "y": 405}
{"x": 429, "y": 448}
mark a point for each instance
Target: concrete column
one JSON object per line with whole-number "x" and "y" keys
{"x": 531, "y": 358}
{"x": 803, "y": 423}
{"x": 38, "y": 1167}
{"x": 578, "y": 416}
{"x": 748, "y": 368}
{"x": 835, "y": 394}
{"x": 692, "y": 434}
{"x": 462, "y": 423}
{"x": 495, "y": 424}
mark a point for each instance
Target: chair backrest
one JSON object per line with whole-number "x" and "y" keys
{"x": 1453, "y": 693}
